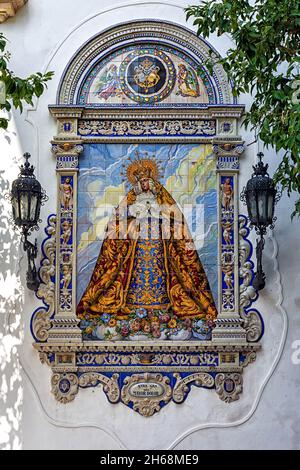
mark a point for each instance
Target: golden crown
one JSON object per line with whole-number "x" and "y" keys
{"x": 147, "y": 63}
{"x": 140, "y": 168}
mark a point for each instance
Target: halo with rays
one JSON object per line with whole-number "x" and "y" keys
{"x": 141, "y": 167}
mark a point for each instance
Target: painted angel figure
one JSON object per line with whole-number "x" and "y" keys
{"x": 148, "y": 259}
{"x": 108, "y": 84}
{"x": 187, "y": 82}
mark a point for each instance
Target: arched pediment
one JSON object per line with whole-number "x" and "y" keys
{"x": 144, "y": 63}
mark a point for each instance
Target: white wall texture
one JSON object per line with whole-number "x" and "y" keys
{"x": 43, "y": 36}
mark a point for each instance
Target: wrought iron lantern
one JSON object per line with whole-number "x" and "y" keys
{"x": 260, "y": 195}
{"x": 26, "y": 197}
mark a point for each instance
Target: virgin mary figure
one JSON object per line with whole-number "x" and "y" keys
{"x": 148, "y": 261}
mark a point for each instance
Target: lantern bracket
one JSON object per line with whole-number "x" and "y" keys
{"x": 32, "y": 279}
{"x": 259, "y": 280}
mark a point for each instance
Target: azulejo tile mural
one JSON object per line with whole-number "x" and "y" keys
{"x": 147, "y": 74}
{"x": 146, "y": 270}
{"x": 147, "y": 282}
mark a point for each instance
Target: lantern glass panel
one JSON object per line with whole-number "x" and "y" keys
{"x": 38, "y": 210}
{"x": 252, "y": 209}
{"x": 270, "y": 207}
{"x": 15, "y": 208}
{"x": 262, "y": 207}
{"x": 24, "y": 206}
{"x": 33, "y": 207}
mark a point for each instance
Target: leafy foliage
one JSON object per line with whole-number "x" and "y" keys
{"x": 265, "y": 63}
{"x": 18, "y": 90}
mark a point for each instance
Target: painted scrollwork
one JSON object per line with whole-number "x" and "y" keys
{"x": 44, "y": 358}
{"x": 229, "y": 386}
{"x": 40, "y": 322}
{"x": 182, "y": 386}
{"x": 249, "y": 358}
{"x": 110, "y": 385}
{"x": 247, "y": 291}
{"x": 146, "y": 392}
{"x": 253, "y": 323}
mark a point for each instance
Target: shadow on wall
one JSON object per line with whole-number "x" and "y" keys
{"x": 11, "y": 302}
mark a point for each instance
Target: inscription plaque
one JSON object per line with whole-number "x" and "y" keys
{"x": 146, "y": 389}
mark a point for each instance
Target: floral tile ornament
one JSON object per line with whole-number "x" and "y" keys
{"x": 152, "y": 325}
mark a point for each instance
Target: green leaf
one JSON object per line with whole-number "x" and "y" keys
{"x": 263, "y": 62}
{"x": 19, "y": 90}
{"x": 39, "y": 88}
{"x": 3, "y": 123}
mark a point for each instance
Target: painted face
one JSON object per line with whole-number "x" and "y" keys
{"x": 145, "y": 184}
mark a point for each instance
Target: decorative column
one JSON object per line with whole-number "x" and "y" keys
{"x": 229, "y": 326}
{"x": 65, "y": 322}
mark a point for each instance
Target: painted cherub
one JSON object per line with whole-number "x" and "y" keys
{"x": 66, "y": 276}
{"x": 67, "y": 230}
{"x": 227, "y": 232}
{"x": 227, "y": 270}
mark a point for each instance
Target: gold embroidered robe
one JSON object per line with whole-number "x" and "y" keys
{"x": 187, "y": 286}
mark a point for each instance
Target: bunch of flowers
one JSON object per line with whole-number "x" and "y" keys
{"x": 149, "y": 322}
{"x": 88, "y": 326}
{"x": 202, "y": 327}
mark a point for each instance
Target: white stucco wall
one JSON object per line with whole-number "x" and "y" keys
{"x": 44, "y": 35}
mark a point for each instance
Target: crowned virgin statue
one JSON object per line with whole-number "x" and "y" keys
{"x": 148, "y": 278}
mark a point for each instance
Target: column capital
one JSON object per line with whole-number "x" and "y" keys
{"x": 222, "y": 147}
{"x": 228, "y": 154}
{"x": 67, "y": 153}
{"x": 67, "y": 147}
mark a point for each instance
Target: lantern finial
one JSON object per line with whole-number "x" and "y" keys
{"x": 260, "y": 169}
{"x": 27, "y": 169}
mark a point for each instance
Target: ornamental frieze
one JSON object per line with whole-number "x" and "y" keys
{"x": 147, "y": 128}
